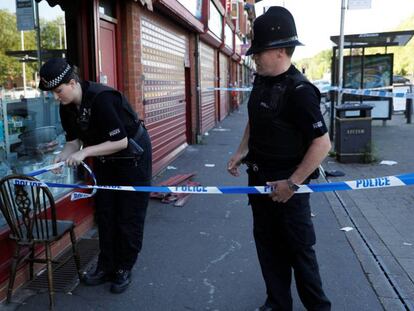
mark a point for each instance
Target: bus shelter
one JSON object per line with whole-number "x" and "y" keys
{"x": 362, "y": 71}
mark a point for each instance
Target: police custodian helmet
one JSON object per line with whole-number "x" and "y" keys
{"x": 53, "y": 73}
{"x": 274, "y": 29}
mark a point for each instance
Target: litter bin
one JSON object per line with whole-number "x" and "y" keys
{"x": 353, "y": 133}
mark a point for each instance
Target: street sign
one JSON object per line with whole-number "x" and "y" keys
{"x": 25, "y": 15}
{"x": 359, "y": 4}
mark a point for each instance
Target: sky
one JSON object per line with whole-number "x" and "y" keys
{"x": 318, "y": 20}
{"x": 45, "y": 10}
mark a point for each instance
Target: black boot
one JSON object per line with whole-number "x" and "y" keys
{"x": 121, "y": 281}
{"x": 97, "y": 277}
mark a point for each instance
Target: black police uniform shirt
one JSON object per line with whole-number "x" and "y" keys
{"x": 105, "y": 122}
{"x": 302, "y": 110}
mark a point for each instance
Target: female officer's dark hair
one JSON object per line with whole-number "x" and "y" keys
{"x": 55, "y": 72}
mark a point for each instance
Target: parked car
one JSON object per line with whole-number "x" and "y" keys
{"x": 18, "y": 92}
{"x": 324, "y": 87}
{"x": 400, "y": 79}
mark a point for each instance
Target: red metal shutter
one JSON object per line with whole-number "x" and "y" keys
{"x": 163, "y": 56}
{"x": 224, "y": 82}
{"x": 207, "y": 72}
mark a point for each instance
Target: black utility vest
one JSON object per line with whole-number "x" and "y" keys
{"x": 129, "y": 118}
{"x": 273, "y": 141}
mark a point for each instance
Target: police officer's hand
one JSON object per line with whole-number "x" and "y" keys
{"x": 281, "y": 191}
{"x": 57, "y": 159}
{"x": 76, "y": 158}
{"x": 234, "y": 163}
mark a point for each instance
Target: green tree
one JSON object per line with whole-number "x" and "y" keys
{"x": 10, "y": 40}
{"x": 50, "y": 33}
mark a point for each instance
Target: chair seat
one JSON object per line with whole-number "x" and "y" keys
{"x": 63, "y": 226}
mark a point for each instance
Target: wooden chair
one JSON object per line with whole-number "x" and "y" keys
{"x": 31, "y": 215}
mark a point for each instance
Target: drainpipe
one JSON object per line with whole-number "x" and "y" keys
{"x": 198, "y": 90}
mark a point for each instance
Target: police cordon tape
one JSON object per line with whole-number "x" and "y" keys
{"x": 376, "y": 93}
{"x": 359, "y": 184}
{"x": 235, "y": 89}
{"x": 363, "y": 92}
{"x": 57, "y": 166}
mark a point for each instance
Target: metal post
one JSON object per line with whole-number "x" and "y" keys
{"x": 23, "y": 65}
{"x": 198, "y": 88}
{"x": 39, "y": 52}
{"x": 409, "y": 109}
{"x": 341, "y": 52}
{"x": 333, "y": 94}
{"x": 60, "y": 36}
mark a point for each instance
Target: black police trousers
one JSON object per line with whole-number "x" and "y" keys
{"x": 120, "y": 215}
{"x": 284, "y": 237}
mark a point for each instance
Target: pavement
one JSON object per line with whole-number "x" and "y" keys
{"x": 382, "y": 218}
{"x": 202, "y": 256}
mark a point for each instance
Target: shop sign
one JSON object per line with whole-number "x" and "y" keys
{"x": 193, "y": 6}
{"x": 25, "y": 15}
{"x": 359, "y": 4}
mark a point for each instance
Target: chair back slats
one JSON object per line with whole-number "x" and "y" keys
{"x": 29, "y": 211}
{"x": 11, "y": 212}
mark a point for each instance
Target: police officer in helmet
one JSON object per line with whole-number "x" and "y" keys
{"x": 284, "y": 142}
{"x": 99, "y": 122}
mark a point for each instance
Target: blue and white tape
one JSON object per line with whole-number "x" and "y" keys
{"x": 46, "y": 169}
{"x": 363, "y": 92}
{"x": 359, "y": 184}
{"x": 74, "y": 195}
{"x": 376, "y": 93}
{"x": 235, "y": 89}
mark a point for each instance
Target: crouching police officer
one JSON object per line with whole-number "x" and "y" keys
{"x": 99, "y": 122}
{"x": 284, "y": 142}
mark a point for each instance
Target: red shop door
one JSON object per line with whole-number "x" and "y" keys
{"x": 107, "y": 54}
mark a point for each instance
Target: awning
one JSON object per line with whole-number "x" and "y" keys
{"x": 365, "y": 40}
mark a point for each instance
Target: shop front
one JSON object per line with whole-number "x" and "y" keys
{"x": 30, "y": 131}
{"x": 161, "y": 54}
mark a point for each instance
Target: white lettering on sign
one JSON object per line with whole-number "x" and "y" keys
{"x": 28, "y": 183}
{"x": 268, "y": 189}
{"x": 355, "y": 131}
{"x": 196, "y": 189}
{"x": 110, "y": 187}
{"x": 79, "y": 195}
{"x": 374, "y": 182}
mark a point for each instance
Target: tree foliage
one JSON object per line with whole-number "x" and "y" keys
{"x": 10, "y": 40}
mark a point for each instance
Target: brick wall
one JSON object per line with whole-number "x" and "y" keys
{"x": 131, "y": 55}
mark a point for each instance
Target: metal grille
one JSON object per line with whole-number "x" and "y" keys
{"x": 224, "y": 82}
{"x": 65, "y": 277}
{"x": 207, "y": 72}
{"x": 164, "y": 52}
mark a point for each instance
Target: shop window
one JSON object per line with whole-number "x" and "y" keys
{"x": 30, "y": 130}
{"x": 107, "y": 7}
{"x": 215, "y": 23}
{"x": 193, "y": 6}
{"x": 228, "y": 33}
